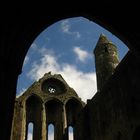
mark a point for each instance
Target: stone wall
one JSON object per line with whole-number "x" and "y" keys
{"x": 114, "y": 112}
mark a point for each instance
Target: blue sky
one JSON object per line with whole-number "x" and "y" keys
{"x": 66, "y": 47}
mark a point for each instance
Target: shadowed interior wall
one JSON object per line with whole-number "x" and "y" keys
{"x": 114, "y": 112}
{"x": 136, "y": 134}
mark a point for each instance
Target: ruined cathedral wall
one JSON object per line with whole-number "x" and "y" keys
{"x": 47, "y": 101}
{"x": 18, "y": 121}
{"x": 114, "y": 112}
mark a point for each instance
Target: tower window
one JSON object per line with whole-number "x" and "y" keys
{"x": 106, "y": 49}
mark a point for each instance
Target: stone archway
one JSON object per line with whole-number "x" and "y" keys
{"x": 22, "y": 26}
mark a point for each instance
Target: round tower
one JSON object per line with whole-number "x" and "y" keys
{"x": 106, "y": 60}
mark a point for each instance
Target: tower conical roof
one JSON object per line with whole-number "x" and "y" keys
{"x": 101, "y": 42}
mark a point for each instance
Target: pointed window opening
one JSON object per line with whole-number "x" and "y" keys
{"x": 50, "y": 132}
{"x": 30, "y": 131}
{"x": 70, "y": 133}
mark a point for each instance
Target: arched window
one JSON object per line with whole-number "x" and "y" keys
{"x": 50, "y": 132}
{"x": 30, "y": 131}
{"x": 33, "y": 114}
{"x": 73, "y": 107}
{"x": 70, "y": 133}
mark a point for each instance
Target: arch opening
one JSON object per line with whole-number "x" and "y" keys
{"x": 71, "y": 103}
{"x": 54, "y": 116}
{"x": 73, "y": 107}
{"x": 69, "y": 44}
{"x": 70, "y": 133}
{"x": 30, "y": 131}
{"x": 51, "y": 131}
{"x": 53, "y": 111}
{"x": 33, "y": 114}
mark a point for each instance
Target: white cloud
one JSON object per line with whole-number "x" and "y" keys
{"x": 78, "y": 35}
{"x": 82, "y": 55}
{"x": 66, "y": 28}
{"x": 34, "y": 46}
{"x": 26, "y": 60}
{"x": 83, "y": 83}
{"x": 47, "y": 63}
{"x": 21, "y": 92}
